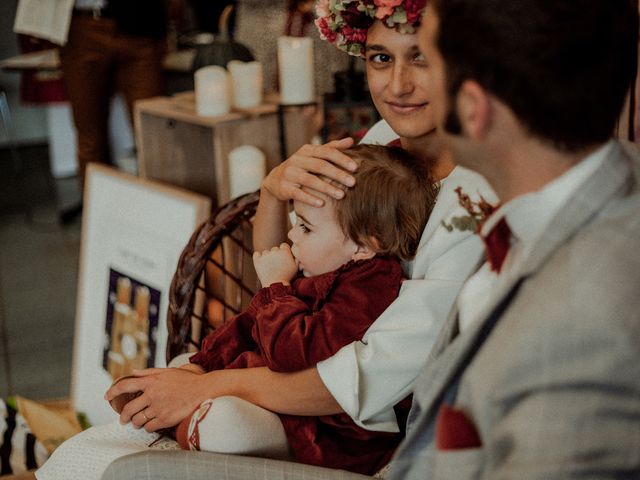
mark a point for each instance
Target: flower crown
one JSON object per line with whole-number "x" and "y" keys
{"x": 345, "y": 22}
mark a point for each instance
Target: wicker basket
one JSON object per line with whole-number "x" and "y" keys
{"x": 215, "y": 278}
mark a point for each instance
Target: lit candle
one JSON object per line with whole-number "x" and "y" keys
{"x": 295, "y": 62}
{"x": 246, "y": 83}
{"x": 247, "y": 168}
{"x": 212, "y": 91}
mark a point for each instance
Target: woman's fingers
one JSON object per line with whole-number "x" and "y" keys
{"x": 153, "y": 425}
{"x": 132, "y": 408}
{"x": 306, "y": 167}
{"x": 325, "y": 160}
{"x": 141, "y": 419}
{"x": 306, "y": 196}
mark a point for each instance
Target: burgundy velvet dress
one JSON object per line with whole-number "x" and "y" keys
{"x": 291, "y": 328}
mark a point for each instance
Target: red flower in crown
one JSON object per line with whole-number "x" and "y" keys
{"x": 344, "y": 23}
{"x": 325, "y": 31}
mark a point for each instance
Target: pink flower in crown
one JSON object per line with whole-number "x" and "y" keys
{"x": 414, "y": 9}
{"x": 356, "y": 35}
{"x": 386, "y": 7}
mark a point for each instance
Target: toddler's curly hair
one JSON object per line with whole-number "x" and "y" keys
{"x": 390, "y": 204}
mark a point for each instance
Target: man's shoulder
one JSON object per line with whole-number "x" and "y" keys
{"x": 614, "y": 232}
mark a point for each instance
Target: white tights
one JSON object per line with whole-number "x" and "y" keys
{"x": 233, "y": 425}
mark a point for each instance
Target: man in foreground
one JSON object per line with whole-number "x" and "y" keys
{"x": 535, "y": 374}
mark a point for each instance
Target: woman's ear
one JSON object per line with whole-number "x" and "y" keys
{"x": 366, "y": 250}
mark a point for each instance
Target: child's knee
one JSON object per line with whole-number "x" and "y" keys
{"x": 232, "y": 425}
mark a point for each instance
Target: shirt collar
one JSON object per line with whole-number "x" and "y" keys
{"x": 528, "y": 215}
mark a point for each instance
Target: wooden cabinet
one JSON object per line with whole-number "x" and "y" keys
{"x": 180, "y": 147}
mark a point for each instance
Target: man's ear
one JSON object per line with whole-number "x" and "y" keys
{"x": 474, "y": 109}
{"x": 366, "y": 250}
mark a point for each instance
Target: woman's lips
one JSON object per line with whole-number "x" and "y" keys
{"x": 406, "y": 108}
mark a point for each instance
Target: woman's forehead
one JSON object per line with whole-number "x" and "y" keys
{"x": 380, "y": 36}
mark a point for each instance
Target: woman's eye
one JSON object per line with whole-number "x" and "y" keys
{"x": 379, "y": 58}
{"x": 419, "y": 58}
{"x": 304, "y": 228}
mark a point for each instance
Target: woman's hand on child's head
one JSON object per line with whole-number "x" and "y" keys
{"x": 275, "y": 265}
{"x": 303, "y": 167}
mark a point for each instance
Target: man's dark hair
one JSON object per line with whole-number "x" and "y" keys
{"x": 563, "y": 66}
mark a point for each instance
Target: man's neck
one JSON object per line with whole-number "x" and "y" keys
{"x": 528, "y": 166}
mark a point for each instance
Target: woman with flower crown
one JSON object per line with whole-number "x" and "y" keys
{"x": 368, "y": 378}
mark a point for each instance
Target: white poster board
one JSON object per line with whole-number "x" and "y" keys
{"x": 48, "y": 19}
{"x": 132, "y": 235}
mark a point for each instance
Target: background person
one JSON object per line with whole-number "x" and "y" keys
{"x": 112, "y": 46}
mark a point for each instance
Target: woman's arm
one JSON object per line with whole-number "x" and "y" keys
{"x": 284, "y": 181}
{"x": 170, "y": 395}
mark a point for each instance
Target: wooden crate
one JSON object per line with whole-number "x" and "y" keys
{"x": 180, "y": 147}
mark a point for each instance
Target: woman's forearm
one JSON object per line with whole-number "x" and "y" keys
{"x": 298, "y": 393}
{"x": 270, "y": 223}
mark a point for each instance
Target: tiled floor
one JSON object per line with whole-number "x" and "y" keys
{"x": 38, "y": 275}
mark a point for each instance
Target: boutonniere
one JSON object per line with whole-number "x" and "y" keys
{"x": 478, "y": 212}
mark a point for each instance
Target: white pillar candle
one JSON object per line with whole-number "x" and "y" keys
{"x": 212, "y": 91}
{"x": 247, "y": 168}
{"x": 246, "y": 83}
{"x": 295, "y": 62}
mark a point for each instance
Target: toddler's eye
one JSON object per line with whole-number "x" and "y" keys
{"x": 304, "y": 228}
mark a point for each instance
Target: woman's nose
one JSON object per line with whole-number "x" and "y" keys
{"x": 291, "y": 234}
{"x": 401, "y": 83}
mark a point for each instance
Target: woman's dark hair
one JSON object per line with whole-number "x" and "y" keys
{"x": 563, "y": 66}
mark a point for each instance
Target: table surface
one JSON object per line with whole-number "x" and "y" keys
{"x": 179, "y": 61}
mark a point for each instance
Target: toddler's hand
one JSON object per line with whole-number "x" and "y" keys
{"x": 275, "y": 265}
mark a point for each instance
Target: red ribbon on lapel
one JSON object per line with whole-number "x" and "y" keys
{"x": 454, "y": 430}
{"x": 497, "y": 244}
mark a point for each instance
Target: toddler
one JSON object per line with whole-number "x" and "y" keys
{"x": 340, "y": 273}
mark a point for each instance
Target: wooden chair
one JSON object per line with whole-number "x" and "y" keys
{"x": 215, "y": 278}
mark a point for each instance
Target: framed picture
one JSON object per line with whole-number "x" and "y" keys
{"x": 132, "y": 235}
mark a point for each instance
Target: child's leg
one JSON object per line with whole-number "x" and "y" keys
{"x": 180, "y": 360}
{"x": 233, "y": 425}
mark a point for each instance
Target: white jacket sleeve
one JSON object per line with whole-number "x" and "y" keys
{"x": 368, "y": 377}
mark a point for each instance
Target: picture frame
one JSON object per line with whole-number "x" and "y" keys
{"x": 133, "y": 232}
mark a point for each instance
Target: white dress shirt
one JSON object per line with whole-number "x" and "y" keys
{"x": 528, "y": 217}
